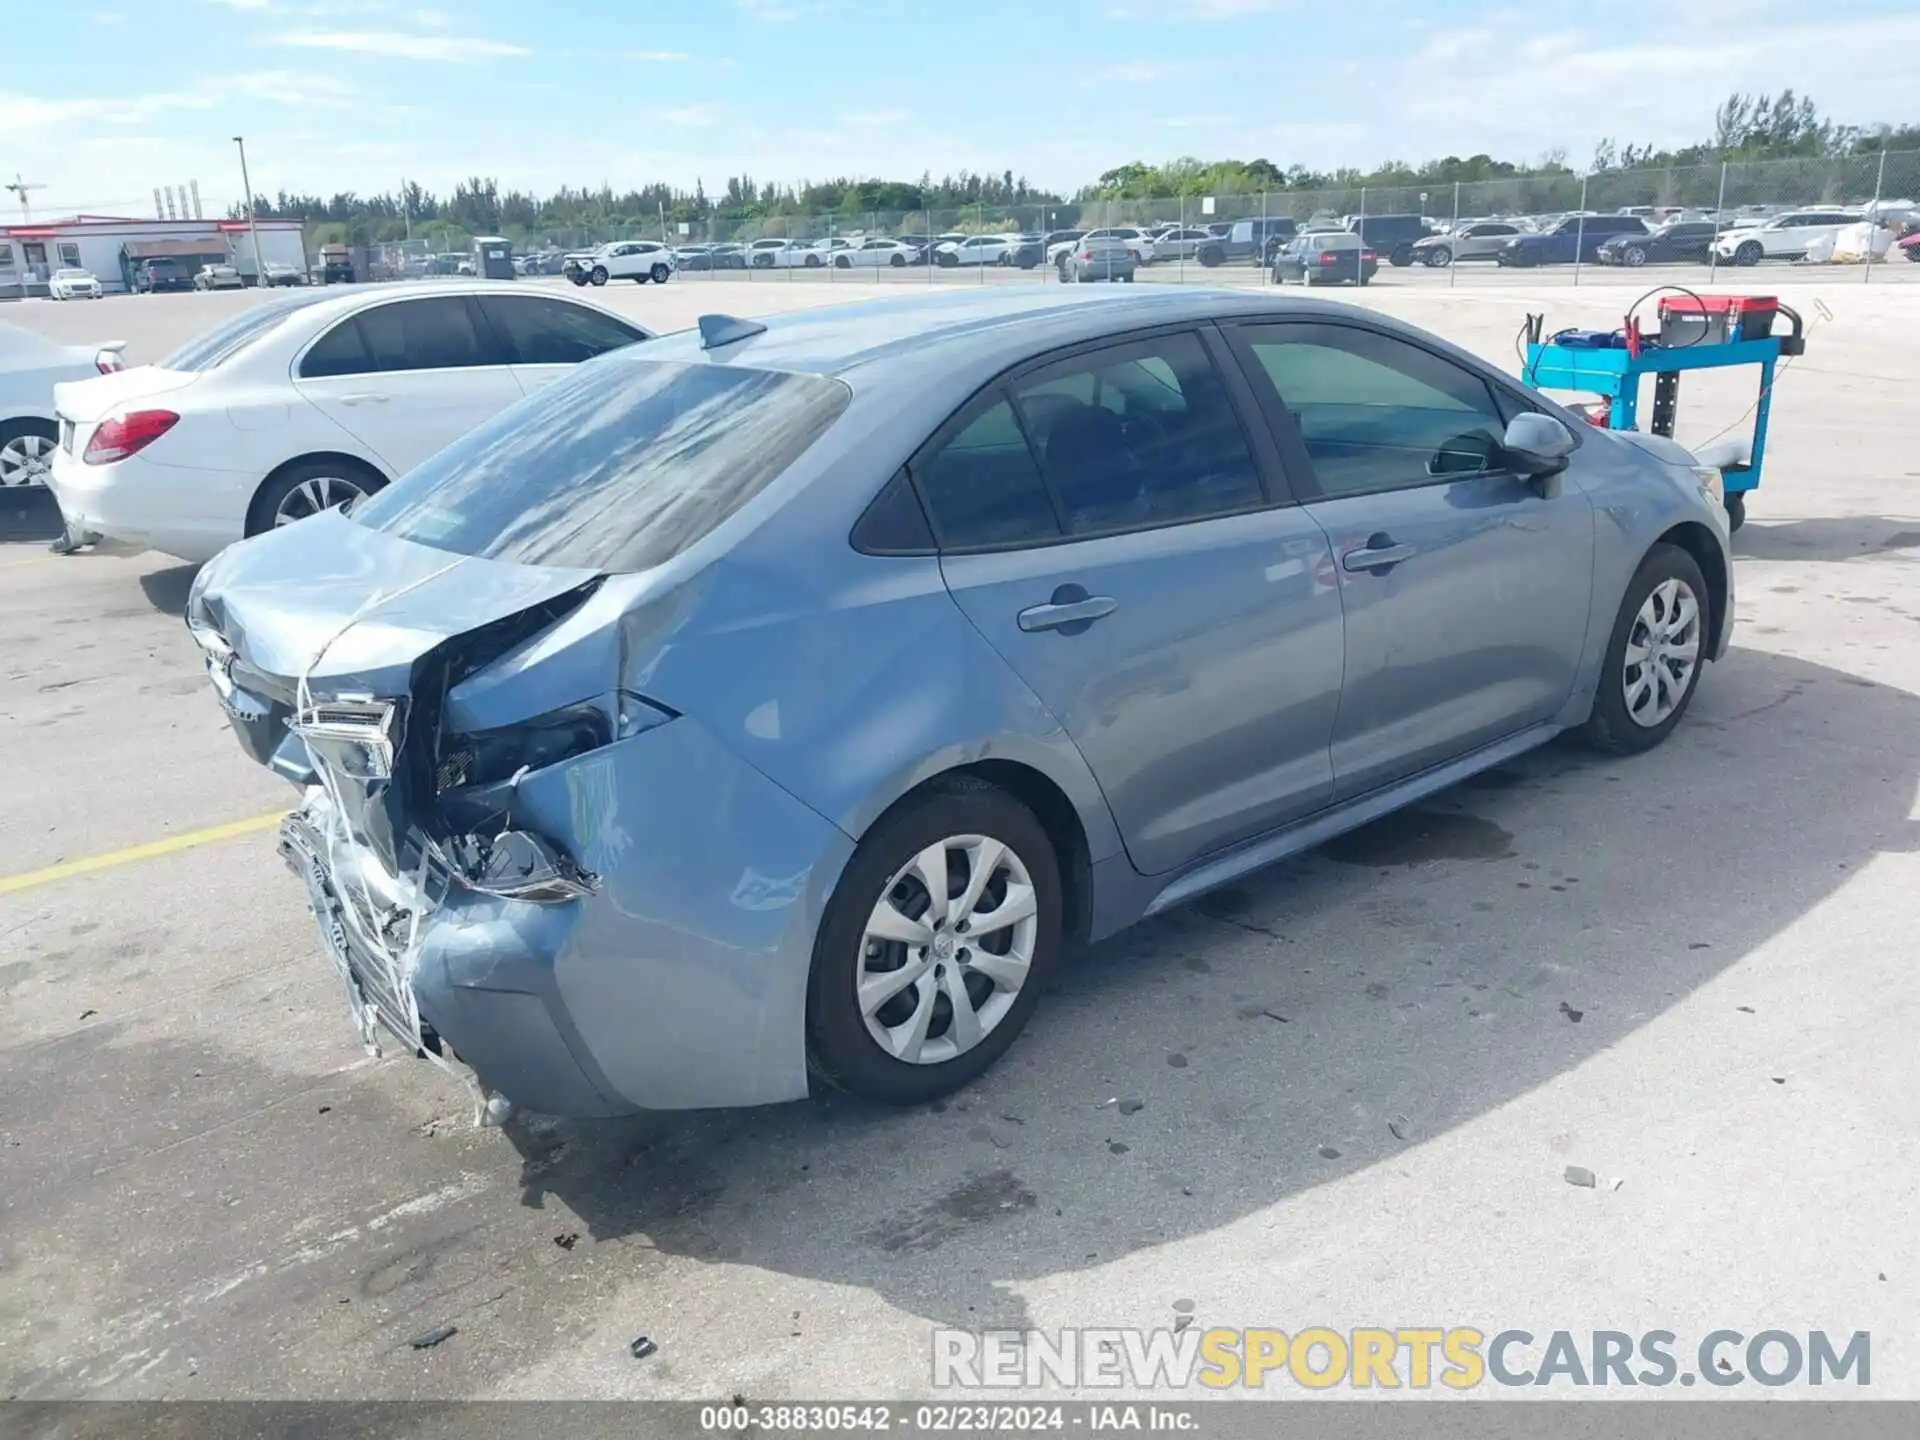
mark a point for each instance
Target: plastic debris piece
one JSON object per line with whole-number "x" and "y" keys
{"x": 1576, "y": 1016}
{"x": 568, "y": 1240}
{"x": 1327, "y": 1152}
{"x": 1132, "y": 1107}
{"x": 1400, "y": 1127}
{"x": 641, "y": 1347}
{"x": 434, "y": 1337}
{"x": 1580, "y": 1175}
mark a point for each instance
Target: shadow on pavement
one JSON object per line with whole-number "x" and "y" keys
{"x": 28, "y": 513}
{"x": 1273, "y": 1029}
{"x": 166, "y": 590}
{"x": 1838, "y": 537}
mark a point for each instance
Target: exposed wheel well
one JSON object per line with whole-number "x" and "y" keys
{"x": 351, "y": 463}
{"x": 1055, "y": 812}
{"x": 1698, "y": 541}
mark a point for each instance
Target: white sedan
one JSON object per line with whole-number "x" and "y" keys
{"x": 73, "y": 285}
{"x": 974, "y": 250}
{"x": 784, "y": 255}
{"x": 302, "y": 402}
{"x": 877, "y": 250}
{"x": 30, "y": 366}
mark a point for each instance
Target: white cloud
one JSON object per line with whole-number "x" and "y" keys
{"x": 691, "y": 116}
{"x": 658, "y": 57}
{"x": 255, "y": 5}
{"x": 1858, "y": 70}
{"x": 875, "y": 117}
{"x": 401, "y": 45}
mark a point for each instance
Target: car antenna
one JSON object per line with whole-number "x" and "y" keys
{"x": 718, "y": 330}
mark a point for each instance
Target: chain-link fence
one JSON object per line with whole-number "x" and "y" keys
{"x": 1676, "y": 224}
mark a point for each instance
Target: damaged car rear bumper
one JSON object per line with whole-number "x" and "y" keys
{"x": 602, "y": 996}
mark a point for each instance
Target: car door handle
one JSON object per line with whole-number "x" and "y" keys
{"x": 363, "y": 398}
{"x": 1057, "y": 615}
{"x": 1378, "y": 556}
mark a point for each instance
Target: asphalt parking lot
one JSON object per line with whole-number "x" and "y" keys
{"x": 1361, "y": 1075}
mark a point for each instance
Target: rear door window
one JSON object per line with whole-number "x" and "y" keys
{"x": 435, "y": 334}
{"x": 539, "y": 331}
{"x": 613, "y": 467}
{"x": 983, "y": 486}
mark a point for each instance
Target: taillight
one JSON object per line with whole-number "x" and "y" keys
{"x": 1367, "y": 255}
{"x": 1329, "y": 257}
{"x": 1086, "y": 255}
{"x": 128, "y": 434}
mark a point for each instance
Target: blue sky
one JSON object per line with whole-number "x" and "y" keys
{"x": 103, "y": 100}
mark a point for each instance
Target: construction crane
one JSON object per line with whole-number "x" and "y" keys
{"x": 21, "y": 189}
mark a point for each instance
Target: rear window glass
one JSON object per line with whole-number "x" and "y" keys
{"x": 229, "y": 337}
{"x": 618, "y": 466}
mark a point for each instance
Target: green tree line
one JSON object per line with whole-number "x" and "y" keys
{"x": 1747, "y": 128}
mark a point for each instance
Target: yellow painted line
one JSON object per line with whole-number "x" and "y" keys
{"x": 153, "y": 849}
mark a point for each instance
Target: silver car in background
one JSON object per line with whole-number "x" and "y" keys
{"x": 1099, "y": 257}
{"x": 770, "y": 705}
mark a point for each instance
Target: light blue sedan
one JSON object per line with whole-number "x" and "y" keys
{"x": 769, "y": 705}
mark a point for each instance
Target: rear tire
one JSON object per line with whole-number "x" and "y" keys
{"x": 1401, "y": 256}
{"x": 842, "y": 1049}
{"x": 1736, "y": 501}
{"x": 324, "y": 474}
{"x": 1626, "y": 723}
{"x": 897, "y": 261}
{"x": 26, "y": 453}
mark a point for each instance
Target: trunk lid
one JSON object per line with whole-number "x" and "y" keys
{"x": 360, "y": 613}
{"x": 87, "y": 401}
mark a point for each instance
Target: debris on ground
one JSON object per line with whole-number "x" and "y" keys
{"x": 1572, "y": 1014}
{"x": 1118, "y": 1147}
{"x": 1132, "y": 1107}
{"x": 1183, "y": 1307}
{"x": 324, "y": 1109}
{"x": 1181, "y": 1322}
{"x": 568, "y": 1240}
{"x": 1400, "y": 1127}
{"x": 88, "y": 1014}
{"x": 1276, "y": 1015}
{"x": 1779, "y": 1079}
{"x": 1177, "y": 1060}
{"x": 641, "y": 1347}
{"x": 1744, "y": 1009}
{"x": 1580, "y": 1175}
{"x": 1012, "y": 1119}
{"x": 434, "y": 1337}
{"x": 1110, "y": 1100}
{"x": 1327, "y": 1152}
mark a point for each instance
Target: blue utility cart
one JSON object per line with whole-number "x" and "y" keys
{"x": 1695, "y": 334}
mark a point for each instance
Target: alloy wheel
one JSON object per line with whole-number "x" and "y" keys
{"x": 946, "y": 949}
{"x": 25, "y": 460}
{"x": 313, "y": 495}
{"x": 1663, "y": 652}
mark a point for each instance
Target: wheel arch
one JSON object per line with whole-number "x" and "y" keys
{"x": 334, "y": 457}
{"x": 1705, "y": 548}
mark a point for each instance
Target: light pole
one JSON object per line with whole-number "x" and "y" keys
{"x": 259, "y": 269}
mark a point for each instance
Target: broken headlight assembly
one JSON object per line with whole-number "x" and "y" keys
{"x": 353, "y": 735}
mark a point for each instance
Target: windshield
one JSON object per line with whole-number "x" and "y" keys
{"x": 227, "y": 339}
{"x": 71, "y": 275}
{"x": 619, "y": 466}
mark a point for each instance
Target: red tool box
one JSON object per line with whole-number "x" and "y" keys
{"x": 1716, "y": 319}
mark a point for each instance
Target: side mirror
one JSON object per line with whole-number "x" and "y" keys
{"x": 1536, "y": 445}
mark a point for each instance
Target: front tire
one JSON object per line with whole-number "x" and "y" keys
{"x": 897, "y": 261}
{"x": 1634, "y": 256}
{"x": 1748, "y": 253}
{"x": 814, "y": 262}
{"x": 934, "y": 948}
{"x": 599, "y": 275}
{"x": 1401, "y": 257}
{"x": 660, "y": 274}
{"x": 1437, "y": 258}
{"x": 1652, "y": 665}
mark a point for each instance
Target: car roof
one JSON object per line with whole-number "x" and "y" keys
{"x": 962, "y": 330}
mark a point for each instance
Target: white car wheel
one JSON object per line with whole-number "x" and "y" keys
{"x": 26, "y": 453}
